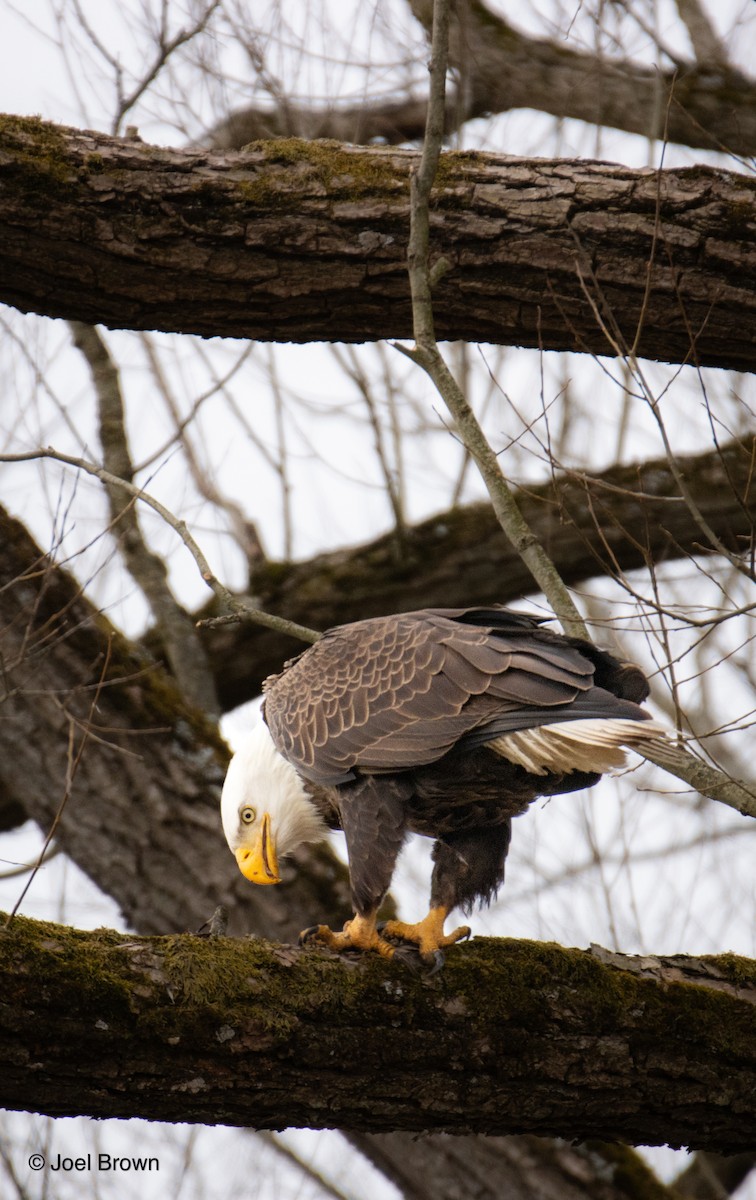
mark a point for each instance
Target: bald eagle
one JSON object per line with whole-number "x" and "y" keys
{"x": 443, "y": 722}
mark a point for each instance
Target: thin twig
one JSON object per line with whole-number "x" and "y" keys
{"x": 677, "y": 761}
{"x": 427, "y": 355}
{"x": 164, "y": 52}
{"x": 239, "y": 610}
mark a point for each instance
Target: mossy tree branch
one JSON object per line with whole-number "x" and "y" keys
{"x": 306, "y": 241}
{"x": 511, "y": 1037}
{"x": 144, "y": 825}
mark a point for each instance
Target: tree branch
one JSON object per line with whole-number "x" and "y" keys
{"x": 626, "y": 518}
{"x": 706, "y": 104}
{"x": 518, "y": 1168}
{"x": 237, "y": 610}
{"x": 677, "y": 760}
{"x": 706, "y": 43}
{"x": 510, "y": 1037}
{"x": 426, "y": 353}
{"x": 307, "y": 241}
{"x": 391, "y": 123}
{"x": 714, "y": 1177}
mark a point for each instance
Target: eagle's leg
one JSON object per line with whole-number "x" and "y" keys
{"x": 358, "y": 934}
{"x": 468, "y": 869}
{"x": 373, "y": 819}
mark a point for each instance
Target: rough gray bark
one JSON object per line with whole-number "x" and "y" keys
{"x": 608, "y": 524}
{"x": 306, "y": 241}
{"x": 705, "y": 104}
{"x": 511, "y": 1037}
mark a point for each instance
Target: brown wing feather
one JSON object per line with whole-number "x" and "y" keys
{"x": 397, "y": 692}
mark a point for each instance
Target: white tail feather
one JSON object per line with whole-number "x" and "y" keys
{"x": 592, "y": 745}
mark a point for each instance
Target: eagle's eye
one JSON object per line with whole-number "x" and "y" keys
{"x": 247, "y": 815}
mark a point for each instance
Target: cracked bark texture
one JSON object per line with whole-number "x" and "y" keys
{"x": 510, "y": 1037}
{"x": 301, "y": 241}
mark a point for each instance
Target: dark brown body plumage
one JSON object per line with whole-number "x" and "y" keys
{"x": 391, "y": 722}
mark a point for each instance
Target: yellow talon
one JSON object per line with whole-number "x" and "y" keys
{"x": 428, "y": 934}
{"x": 358, "y": 934}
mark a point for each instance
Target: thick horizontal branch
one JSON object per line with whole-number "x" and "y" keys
{"x": 608, "y": 524}
{"x": 510, "y": 1037}
{"x": 707, "y": 104}
{"x": 306, "y": 241}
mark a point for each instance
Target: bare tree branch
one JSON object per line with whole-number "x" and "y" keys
{"x": 705, "y": 104}
{"x": 307, "y": 241}
{"x": 426, "y": 353}
{"x": 511, "y": 1037}
{"x": 713, "y": 1176}
{"x": 390, "y": 123}
{"x": 677, "y": 760}
{"x": 238, "y": 610}
{"x": 706, "y": 43}
{"x": 518, "y": 1168}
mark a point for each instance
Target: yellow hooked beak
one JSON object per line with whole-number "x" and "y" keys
{"x": 259, "y": 863}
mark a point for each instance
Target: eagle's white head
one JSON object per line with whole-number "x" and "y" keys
{"x": 265, "y": 809}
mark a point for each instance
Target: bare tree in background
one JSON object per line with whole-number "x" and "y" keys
{"x": 325, "y": 483}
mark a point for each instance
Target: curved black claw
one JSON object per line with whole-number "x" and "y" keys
{"x": 439, "y": 958}
{"x": 217, "y": 925}
{"x": 308, "y": 934}
{"x": 409, "y": 956}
